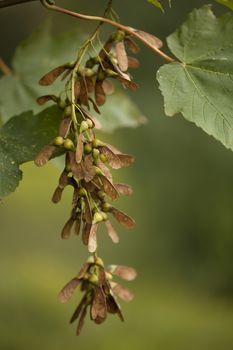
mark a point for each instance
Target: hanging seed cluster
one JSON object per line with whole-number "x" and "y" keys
{"x": 87, "y": 169}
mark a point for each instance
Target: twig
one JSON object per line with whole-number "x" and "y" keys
{"x": 4, "y": 68}
{"x": 120, "y": 26}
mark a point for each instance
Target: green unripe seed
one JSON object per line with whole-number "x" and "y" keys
{"x": 93, "y": 279}
{"x": 97, "y": 143}
{"x": 97, "y": 218}
{"x": 58, "y": 141}
{"x": 87, "y": 148}
{"x": 104, "y": 216}
{"x": 68, "y": 144}
{"x": 103, "y": 158}
{"x": 101, "y": 194}
{"x": 110, "y": 73}
{"x": 99, "y": 262}
{"x": 82, "y": 192}
{"x": 91, "y": 260}
{"x": 114, "y": 60}
{"x": 84, "y": 126}
{"x": 95, "y": 153}
{"x": 61, "y": 104}
{"x": 90, "y": 123}
{"x": 106, "y": 207}
{"x": 101, "y": 75}
{"x": 67, "y": 111}
{"x": 98, "y": 171}
{"x": 88, "y": 72}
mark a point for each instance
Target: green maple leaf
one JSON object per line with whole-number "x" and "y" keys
{"x": 200, "y": 85}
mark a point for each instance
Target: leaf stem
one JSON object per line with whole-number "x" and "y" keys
{"x": 120, "y": 26}
{"x": 4, "y": 68}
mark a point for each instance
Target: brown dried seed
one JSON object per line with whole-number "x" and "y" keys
{"x": 51, "y": 76}
{"x": 75, "y": 198}
{"x": 108, "y": 87}
{"x": 113, "y": 159}
{"x": 64, "y": 179}
{"x": 43, "y": 99}
{"x": 125, "y": 272}
{"x": 83, "y": 270}
{"x": 66, "y": 231}
{"x": 151, "y": 39}
{"x": 79, "y": 148}
{"x": 68, "y": 290}
{"x": 92, "y": 242}
{"x": 98, "y": 307}
{"x": 127, "y": 82}
{"x": 122, "y": 218}
{"x": 132, "y": 45}
{"x": 109, "y": 188}
{"x": 133, "y": 62}
{"x": 88, "y": 211}
{"x": 77, "y": 169}
{"x": 100, "y": 96}
{"x": 86, "y": 233}
{"x": 78, "y": 309}
{"x": 77, "y": 89}
{"x": 88, "y": 168}
{"x": 95, "y": 107}
{"x": 90, "y": 82}
{"x": 125, "y": 190}
{"x": 64, "y": 127}
{"x": 81, "y": 320}
{"x": 122, "y": 292}
{"x": 57, "y": 195}
{"x": 113, "y": 307}
{"x": 122, "y": 56}
{"x": 44, "y": 155}
{"x": 77, "y": 226}
{"x": 83, "y": 95}
{"x": 126, "y": 159}
{"x": 105, "y": 50}
{"x": 105, "y": 170}
{"x": 111, "y": 232}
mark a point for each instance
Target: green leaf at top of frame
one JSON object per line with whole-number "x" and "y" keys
{"x": 227, "y": 3}
{"x": 200, "y": 85}
{"x": 21, "y": 138}
{"x": 34, "y": 57}
{"x": 157, "y": 3}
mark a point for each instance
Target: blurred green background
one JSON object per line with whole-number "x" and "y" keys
{"x": 182, "y": 202}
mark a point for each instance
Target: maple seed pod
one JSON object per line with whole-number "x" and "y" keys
{"x": 82, "y": 192}
{"x": 91, "y": 260}
{"x": 93, "y": 279}
{"x": 104, "y": 216}
{"x": 98, "y": 171}
{"x": 110, "y": 73}
{"x": 106, "y": 207}
{"x": 114, "y": 61}
{"x": 84, "y": 126}
{"x": 99, "y": 262}
{"x": 95, "y": 153}
{"x": 67, "y": 111}
{"x": 103, "y": 158}
{"x": 61, "y": 104}
{"x": 101, "y": 194}
{"x": 97, "y": 218}
{"x": 68, "y": 144}
{"x": 88, "y": 72}
{"x": 97, "y": 143}
{"x": 87, "y": 148}
{"x": 58, "y": 141}
{"x": 108, "y": 275}
{"x": 90, "y": 123}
